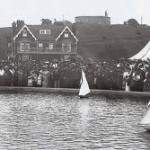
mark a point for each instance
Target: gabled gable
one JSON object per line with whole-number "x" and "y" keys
{"x": 25, "y": 26}
{"x": 67, "y": 28}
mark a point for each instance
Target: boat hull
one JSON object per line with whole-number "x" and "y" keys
{"x": 146, "y": 126}
{"x": 84, "y": 96}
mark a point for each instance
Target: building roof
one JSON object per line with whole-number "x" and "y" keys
{"x": 55, "y": 31}
{"x": 67, "y": 28}
{"x": 92, "y": 17}
{"x": 6, "y": 31}
{"x": 21, "y": 29}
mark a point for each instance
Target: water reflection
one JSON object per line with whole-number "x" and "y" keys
{"x": 84, "y": 110}
{"x": 47, "y": 122}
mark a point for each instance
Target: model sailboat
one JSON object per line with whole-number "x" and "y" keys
{"x": 145, "y": 122}
{"x": 84, "y": 89}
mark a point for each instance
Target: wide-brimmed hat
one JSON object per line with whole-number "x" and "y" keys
{"x": 66, "y": 60}
{"x": 46, "y": 62}
{"x": 55, "y": 61}
{"x": 140, "y": 65}
{"x": 6, "y": 67}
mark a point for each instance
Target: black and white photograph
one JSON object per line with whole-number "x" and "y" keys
{"x": 74, "y": 75}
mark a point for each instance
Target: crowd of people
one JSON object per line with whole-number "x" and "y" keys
{"x": 137, "y": 76}
{"x": 101, "y": 74}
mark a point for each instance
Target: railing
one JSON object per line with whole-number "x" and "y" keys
{"x": 45, "y": 51}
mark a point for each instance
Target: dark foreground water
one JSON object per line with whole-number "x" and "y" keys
{"x": 54, "y": 122}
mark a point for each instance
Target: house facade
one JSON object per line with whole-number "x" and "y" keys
{"x": 44, "y": 42}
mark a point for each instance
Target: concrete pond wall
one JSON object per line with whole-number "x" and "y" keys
{"x": 108, "y": 93}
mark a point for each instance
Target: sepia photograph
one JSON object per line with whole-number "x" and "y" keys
{"x": 75, "y": 75}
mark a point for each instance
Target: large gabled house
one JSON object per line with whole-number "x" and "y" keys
{"x": 44, "y": 42}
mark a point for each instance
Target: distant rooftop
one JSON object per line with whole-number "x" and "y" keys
{"x": 92, "y": 17}
{"x": 103, "y": 20}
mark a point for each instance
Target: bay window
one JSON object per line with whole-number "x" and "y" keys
{"x": 66, "y": 47}
{"x": 24, "y": 46}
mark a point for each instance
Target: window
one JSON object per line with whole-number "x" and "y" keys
{"x": 21, "y": 46}
{"x": 40, "y": 45}
{"x": 24, "y": 33}
{"x": 27, "y": 46}
{"x": 48, "y": 31}
{"x": 24, "y": 46}
{"x": 66, "y": 35}
{"x": 9, "y": 44}
{"x": 50, "y": 46}
{"x": 66, "y": 47}
{"x": 43, "y": 31}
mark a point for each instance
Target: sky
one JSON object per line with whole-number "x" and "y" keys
{"x": 32, "y": 11}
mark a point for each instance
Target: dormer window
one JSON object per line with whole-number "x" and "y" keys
{"x": 48, "y": 31}
{"x": 24, "y": 33}
{"x": 43, "y": 31}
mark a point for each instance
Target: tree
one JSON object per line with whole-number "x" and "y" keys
{"x": 125, "y": 23}
{"x": 132, "y": 22}
{"x": 46, "y": 21}
{"x": 67, "y": 23}
{"x": 59, "y": 23}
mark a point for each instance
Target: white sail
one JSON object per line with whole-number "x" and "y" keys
{"x": 84, "y": 89}
{"x": 148, "y": 104}
{"x": 146, "y": 118}
{"x": 145, "y": 122}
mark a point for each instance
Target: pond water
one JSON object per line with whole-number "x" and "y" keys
{"x": 59, "y": 122}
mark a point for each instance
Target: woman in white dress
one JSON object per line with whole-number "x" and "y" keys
{"x": 127, "y": 79}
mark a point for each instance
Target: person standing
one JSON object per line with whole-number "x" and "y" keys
{"x": 56, "y": 77}
{"x": 45, "y": 75}
{"x": 2, "y": 83}
{"x": 7, "y": 76}
{"x": 21, "y": 75}
{"x": 127, "y": 79}
{"x": 147, "y": 78}
{"x": 138, "y": 77}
